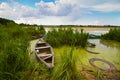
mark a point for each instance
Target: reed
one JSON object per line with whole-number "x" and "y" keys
{"x": 35, "y": 30}
{"x": 98, "y": 74}
{"x": 113, "y": 34}
{"x": 66, "y": 70}
{"x": 15, "y": 62}
{"x": 14, "y": 57}
{"x": 62, "y": 36}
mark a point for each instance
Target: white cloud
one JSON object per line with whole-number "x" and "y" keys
{"x": 59, "y": 12}
{"x": 15, "y": 11}
{"x": 5, "y": 9}
{"x": 107, "y": 7}
{"x": 56, "y": 9}
{"x": 4, "y": 5}
{"x": 68, "y": 1}
{"x": 47, "y": 20}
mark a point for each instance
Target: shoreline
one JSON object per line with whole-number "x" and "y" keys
{"x": 85, "y": 28}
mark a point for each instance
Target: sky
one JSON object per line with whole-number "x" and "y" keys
{"x": 62, "y": 12}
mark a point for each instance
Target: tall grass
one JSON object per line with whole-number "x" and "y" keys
{"x": 14, "y": 60}
{"x": 62, "y": 36}
{"x": 66, "y": 69}
{"x": 15, "y": 63}
{"x": 33, "y": 30}
{"x": 14, "y": 57}
{"x": 113, "y": 34}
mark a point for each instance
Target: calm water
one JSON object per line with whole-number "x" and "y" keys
{"x": 109, "y": 50}
{"x": 98, "y": 32}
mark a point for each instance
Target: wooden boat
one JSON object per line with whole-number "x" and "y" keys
{"x": 37, "y": 36}
{"x": 93, "y": 36}
{"x": 44, "y": 53}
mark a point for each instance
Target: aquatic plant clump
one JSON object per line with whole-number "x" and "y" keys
{"x": 113, "y": 34}
{"x": 57, "y": 38}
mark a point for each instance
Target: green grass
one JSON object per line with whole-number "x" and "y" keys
{"x": 64, "y": 62}
{"x": 66, "y": 67}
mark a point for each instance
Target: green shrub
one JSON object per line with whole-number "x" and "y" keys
{"x": 113, "y": 34}
{"x": 33, "y": 30}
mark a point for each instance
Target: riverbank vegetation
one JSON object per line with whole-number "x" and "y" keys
{"x": 62, "y": 36}
{"x": 14, "y": 57}
{"x": 34, "y": 30}
{"x": 16, "y": 63}
{"x": 113, "y": 34}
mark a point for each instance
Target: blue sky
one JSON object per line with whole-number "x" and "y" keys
{"x": 30, "y": 3}
{"x": 60, "y": 12}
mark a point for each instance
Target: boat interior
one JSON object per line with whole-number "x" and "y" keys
{"x": 41, "y": 44}
{"x": 44, "y": 53}
{"x": 45, "y": 50}
{"x": 48, "y": 60}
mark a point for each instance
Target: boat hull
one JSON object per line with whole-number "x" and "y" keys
{"x": 44, "y": 52}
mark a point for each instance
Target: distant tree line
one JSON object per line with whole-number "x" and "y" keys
{"x": 26, "y": 27}
{"x": 4, "y": 21}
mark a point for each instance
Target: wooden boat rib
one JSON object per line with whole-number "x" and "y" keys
{"x": 44, "y": 53}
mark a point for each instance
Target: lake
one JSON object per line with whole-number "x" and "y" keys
{"x": 108, "y": 50}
